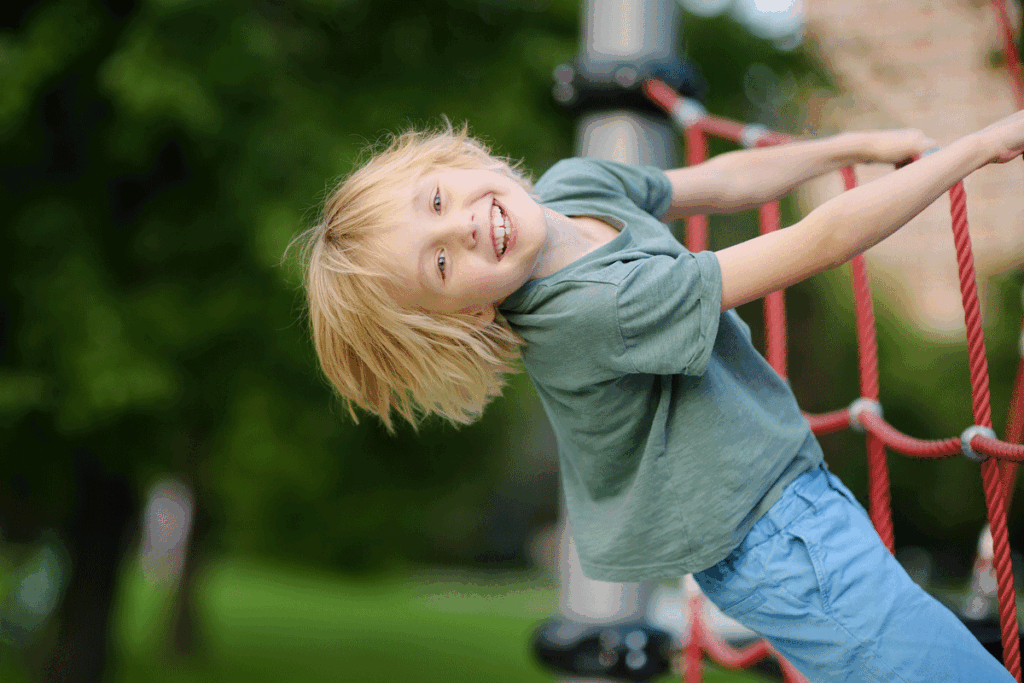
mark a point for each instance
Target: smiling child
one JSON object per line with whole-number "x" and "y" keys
{"x": 438, "y": 265}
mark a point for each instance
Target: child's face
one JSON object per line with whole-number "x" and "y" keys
{"x": 451, "y": 253}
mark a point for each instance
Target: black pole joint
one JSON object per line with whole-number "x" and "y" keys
{"x": 583, "y": 86}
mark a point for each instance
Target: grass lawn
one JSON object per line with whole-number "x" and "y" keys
{"x": 264, "y": 623}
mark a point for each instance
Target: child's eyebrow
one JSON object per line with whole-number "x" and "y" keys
{"x": 425, "y": 280}
{"x": 422, "y": 271}
{"x": 417, "y": 198}
{"x": 423, "y": 188}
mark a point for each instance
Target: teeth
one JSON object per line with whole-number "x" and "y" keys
{"x": 501, "y": 232}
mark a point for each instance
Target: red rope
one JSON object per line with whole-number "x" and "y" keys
{"x": 693, "y": 668}
{"x": 995, "y": 494}
{"x": 730, "y": 658}
{"x": 774, "y": 303}
{"x": 879, "y": 433}
{"x": 696, "y": 153}
{"x": 1010, "y": 50}
{"x": 1014, "y": 424}
{"x": 827, "y": 423}
{"x": 996, "y": 501}
{"x": 972, "y": 308}
{"x": 1015, "y": 419}
{"x": 688, "y": 114}
{"x": 880, "y": 503}
{"x": 908, "y": 445}
{"x": 998, "y": 477}
{"x": 998, "y": 449}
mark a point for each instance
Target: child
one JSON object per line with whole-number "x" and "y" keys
{"x": 681, "y": 450}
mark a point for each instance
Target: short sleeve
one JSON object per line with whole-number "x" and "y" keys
{"x": 668, "y": 311}
{"x": 594, "y": 180}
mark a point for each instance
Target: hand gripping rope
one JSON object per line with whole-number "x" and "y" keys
{"x": 998, "y": 459}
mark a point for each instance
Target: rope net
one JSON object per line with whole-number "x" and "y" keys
{"x": 998, "y": 458}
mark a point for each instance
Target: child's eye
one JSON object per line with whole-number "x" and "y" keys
{"x": 437, "y": 201}
{"x": 442, "y": 262}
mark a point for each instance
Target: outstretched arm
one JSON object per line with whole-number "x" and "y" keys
{"x": 860, "y": 218}
{"x": 747, "y": 178}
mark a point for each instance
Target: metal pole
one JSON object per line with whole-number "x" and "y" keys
{"x": 618, "y": 33}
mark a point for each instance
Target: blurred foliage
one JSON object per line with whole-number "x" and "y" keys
{"x": 156, "y": 157}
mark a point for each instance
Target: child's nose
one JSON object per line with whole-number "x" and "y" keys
{"x": 466, "y": 229}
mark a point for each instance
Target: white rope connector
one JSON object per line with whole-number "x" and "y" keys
{"x": 859, "y": 406}
{"x": 688, "y": 112}
{"x": 752, "y": 134}
{"x": 970, "y": 433}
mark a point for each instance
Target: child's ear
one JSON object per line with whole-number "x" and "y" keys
{"x": 484, "y": 313}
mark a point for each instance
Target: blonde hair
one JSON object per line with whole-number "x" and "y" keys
{"x": 379, "y": 355}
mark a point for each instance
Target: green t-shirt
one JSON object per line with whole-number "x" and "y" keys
{"x": 674, "y": 433}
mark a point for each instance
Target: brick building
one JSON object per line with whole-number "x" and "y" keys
{"x": 935, "y": 65}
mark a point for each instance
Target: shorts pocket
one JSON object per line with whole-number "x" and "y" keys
{"x": 806, "y": 581}
{"x": 731, "y": 592}
{"x": 745, "y": 606}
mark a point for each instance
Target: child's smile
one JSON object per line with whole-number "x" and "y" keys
{"x": 467, "y": 240}
{"x": 502, "y": 230}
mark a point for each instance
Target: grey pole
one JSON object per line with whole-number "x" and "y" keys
{"x": 618, "y": 31}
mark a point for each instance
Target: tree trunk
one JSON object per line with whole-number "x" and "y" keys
{"x": 97, "y": 537}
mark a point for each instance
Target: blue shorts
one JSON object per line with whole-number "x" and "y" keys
{"x": 813, "y": 577}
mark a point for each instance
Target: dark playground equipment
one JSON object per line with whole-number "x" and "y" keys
{"x": 637, "y": 651}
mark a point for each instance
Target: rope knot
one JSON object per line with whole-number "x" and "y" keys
{"x": 858, "y": 407}
{"x": 751, "y": 134}
{"x": 970, "y": 433}
{"x": 688, "y": 112}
